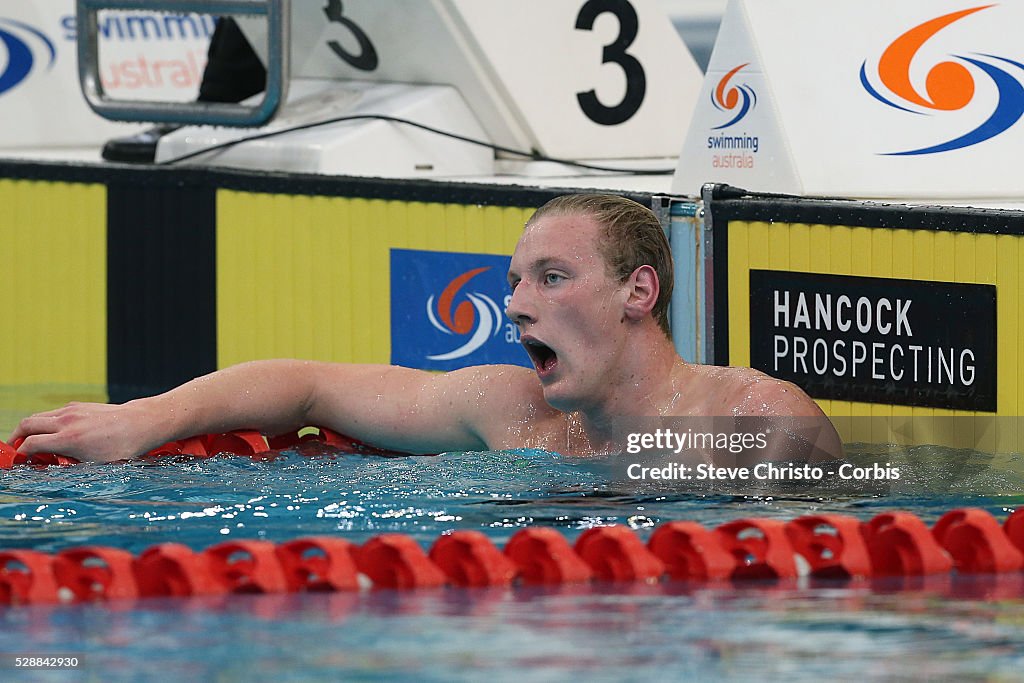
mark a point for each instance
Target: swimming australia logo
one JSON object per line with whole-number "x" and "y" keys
{"x": 733, "y": 149}
{"x": 446, "y": 310}
{"x": 735, "y": 100}
{"x": 949, "y": 86}
{"x": 476, "y": 316}
{"x": 25, "y": 46}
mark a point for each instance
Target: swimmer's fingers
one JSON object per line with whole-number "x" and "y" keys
{"x": 50, "y": 421}
{"x": 40, "y": 423}
{"x": 45, "y": 443}
{"x": 69, "y": 443}
{"x": 83, "y": 431}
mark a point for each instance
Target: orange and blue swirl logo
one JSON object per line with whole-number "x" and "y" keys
{"x": 475, "y": 319}
{"x": 25, "y": 46}
{"x": 446, "y": 311}
{"x": 949, "y": 86}
{"x": 734, "y": 100}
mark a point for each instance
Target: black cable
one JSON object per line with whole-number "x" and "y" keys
{"x": 534, "y": 155}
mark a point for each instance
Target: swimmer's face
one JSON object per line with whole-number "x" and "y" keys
{"x": 568, "y": 310}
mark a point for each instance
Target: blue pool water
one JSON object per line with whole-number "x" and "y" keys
{"x": 952, "y": 628}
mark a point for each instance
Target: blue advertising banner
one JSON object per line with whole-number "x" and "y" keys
{"x": 447, "y": 311}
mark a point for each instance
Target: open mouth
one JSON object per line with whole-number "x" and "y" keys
{"x": 542, "y": 355}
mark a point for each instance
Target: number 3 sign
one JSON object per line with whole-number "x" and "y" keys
{"x": 577, "y": 79}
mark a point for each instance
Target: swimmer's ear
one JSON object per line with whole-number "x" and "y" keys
{"x": 643, "y": 289}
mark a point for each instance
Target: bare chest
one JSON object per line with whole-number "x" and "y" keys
{"x": 560, "y": 433}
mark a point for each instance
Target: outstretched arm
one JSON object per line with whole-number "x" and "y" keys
{"x": 387, "y": 406}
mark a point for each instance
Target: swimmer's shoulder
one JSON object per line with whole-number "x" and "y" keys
{"x": 508, "y": 409}
{"x": 508, "y": 387}
{"x": 749, "y": 392}
{"x": 806, "y": 434}
{"x": 491, "y": 374}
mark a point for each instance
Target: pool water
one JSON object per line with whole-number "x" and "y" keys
{"x": 950, "y": 628}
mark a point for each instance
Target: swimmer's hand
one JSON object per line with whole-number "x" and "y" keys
{"x": 91, "y": 432}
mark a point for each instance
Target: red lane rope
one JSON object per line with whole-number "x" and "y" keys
{"x": 965, "y": 541}
{"x": 244, "y": 442}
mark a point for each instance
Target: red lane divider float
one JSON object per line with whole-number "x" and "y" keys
{"x": 247, "y": 443}
{"x": 976, "y": 543}
{"x": 832, "y": 545}
{"x": 9, "y": 457}
{"x": 319, "y": 564}
{"x": 615, "y": 553}
{"x": 175, "y": 569}
{"x": 543, "y": 556}
{"x": 900, "y": 544}
{"x": 26, "y": 576}
{"x": 468, "y": 558}
{"x": 95, "y": 573}
{"x": 967, "y": 541}
{"x": 691, "y": 552}
{"x": 397, "y": 561}
{"x": 760, "y": 547}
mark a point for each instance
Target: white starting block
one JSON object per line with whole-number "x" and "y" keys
{"x": 580, "y": 80}
{"x": 871, "y": 99}
{"x": 374, "y": 146}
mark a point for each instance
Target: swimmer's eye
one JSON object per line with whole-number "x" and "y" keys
{"x": 514, "y": 283}
{"x": 553, "y": 278}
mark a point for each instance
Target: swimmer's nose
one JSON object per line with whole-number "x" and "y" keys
{"x": 518, "y": 310}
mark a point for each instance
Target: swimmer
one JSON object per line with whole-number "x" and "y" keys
{"x": 591, "y": 280}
